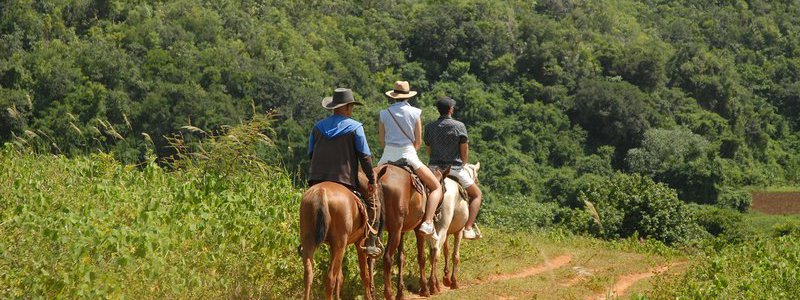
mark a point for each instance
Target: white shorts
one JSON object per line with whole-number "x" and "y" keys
{"x": 395, "y": 153}
{"x": 459, "y": 173}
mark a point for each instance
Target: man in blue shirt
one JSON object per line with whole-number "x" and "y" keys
{"x": 337, "y": 146}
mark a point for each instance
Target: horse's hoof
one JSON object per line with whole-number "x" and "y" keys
{"x": 446, "y": 281}
{"x": 454, "y": 286}
{"x": 433, "y": 288}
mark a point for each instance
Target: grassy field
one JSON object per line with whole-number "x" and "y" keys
{"x": 91, "y": 227}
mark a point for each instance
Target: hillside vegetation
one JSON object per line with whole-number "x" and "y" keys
{"x": 159, "y": 146}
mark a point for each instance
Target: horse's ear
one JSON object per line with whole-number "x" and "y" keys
{"x": 446, "y": 172}
{"x": 477, "y": 166}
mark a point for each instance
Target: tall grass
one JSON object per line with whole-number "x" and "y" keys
{"x": 220, "y": 222}
{"x": 92, "y": 227}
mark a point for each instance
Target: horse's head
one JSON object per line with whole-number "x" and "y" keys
{"x": 472, "y": 169}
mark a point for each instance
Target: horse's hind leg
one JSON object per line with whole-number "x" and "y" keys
{"x": 446, "y": 256}
{"x": 423, "y": 284}
{"x": 334, "y": 284}
{"x": 308, "y": 272}
{"x": 433, "y": 281}
{"x": 456, "y": 259}
{"x": 391, "y": 248}
{"x": 401, "y": 262}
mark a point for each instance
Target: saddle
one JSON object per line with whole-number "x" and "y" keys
{"x": 461, "y": 190}
{"x": 415, "y": 180}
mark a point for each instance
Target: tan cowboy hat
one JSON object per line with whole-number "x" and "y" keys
{"x": 401, "y": 90}
{"x": 341, "y": 97}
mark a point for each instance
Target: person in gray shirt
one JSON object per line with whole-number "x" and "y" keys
{"x": 448, "y": 146}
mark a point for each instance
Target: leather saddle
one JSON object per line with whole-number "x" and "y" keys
{"x": 415, "y": 180}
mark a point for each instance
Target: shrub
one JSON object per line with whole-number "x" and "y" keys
{"x": 518, "y": 213}
{"x": 737, "y": 199}
{"x": 724, "y": 224}
{"x": 680, "y": 159}
{"x": 786, "y": 229}
{"x": 627, "y": 204}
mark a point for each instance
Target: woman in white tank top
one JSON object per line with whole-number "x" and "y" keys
{"x": 400, "y": 134}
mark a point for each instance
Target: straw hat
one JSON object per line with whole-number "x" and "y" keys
{"x": 401, "y": 90}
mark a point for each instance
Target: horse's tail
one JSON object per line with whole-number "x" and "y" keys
{"x": 319, "y": 216}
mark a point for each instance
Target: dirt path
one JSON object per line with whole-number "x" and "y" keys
{"x": 626, "y": 281}
{"x": 548, "y": 265}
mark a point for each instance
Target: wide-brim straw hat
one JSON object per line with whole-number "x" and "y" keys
{"x": 401, "y": 90}
{"x": 341, "y": 97}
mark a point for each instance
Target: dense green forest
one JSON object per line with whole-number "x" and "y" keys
{"x": 156, "y": 146}
{"x": 558, "y": 95}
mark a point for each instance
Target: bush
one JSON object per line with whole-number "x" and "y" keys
{"x": 786, "y": 229}
{"x": 625, "y": 205}
{"x": 735, "y": 199}
{"x": 518, "y": 213}
{"x": 724, "y": 224}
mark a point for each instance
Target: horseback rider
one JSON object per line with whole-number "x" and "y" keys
{"x": 400, "y": 133}
{"x": 336, "y": 147}
{"x": 447, "y": 145}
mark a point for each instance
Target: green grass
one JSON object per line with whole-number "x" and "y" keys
{"x": 765, "y": 224}
{"x": 91, "y": 227}
{"x": 778, "y": 188}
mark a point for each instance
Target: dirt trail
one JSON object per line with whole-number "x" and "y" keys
{"x": 626, "y": 281}
{"x": 548, "y": 265}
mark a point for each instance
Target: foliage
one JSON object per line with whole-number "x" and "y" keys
{"x": 681, "y": 159}
{"x": 762, "y": 268}
{"x": 725, "y": 225}
{"x": 737, "y": 199}
{"x": 540, "y": 86}
{"x": 625, "y": 205}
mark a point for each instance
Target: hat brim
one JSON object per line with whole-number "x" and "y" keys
{"x": 327, "y": 103}
{"x": 394, "y": 95}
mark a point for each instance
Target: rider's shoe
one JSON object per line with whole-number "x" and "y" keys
{"x": 427, "y": 228}
{"x": 471, "y": 234}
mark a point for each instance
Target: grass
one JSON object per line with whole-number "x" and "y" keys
{"x": 776, "y": 189}
{"x": 91, "y": 227}
{"x": 765, "y": 224}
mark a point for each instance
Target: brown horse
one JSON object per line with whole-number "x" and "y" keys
{"x": 330, "y": 213}
{"x": 404, "y": 208}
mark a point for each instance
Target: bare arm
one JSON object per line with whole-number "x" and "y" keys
{"x": 464, "y": 152}
{"x": 381, "y": 134}
{"x": 418, "y": 134}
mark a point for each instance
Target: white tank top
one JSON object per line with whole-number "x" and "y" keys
{"x": 406, "y": 116}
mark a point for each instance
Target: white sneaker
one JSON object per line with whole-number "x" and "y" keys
{"x": 470, "y": 234}
{"x": 427, "y": 228}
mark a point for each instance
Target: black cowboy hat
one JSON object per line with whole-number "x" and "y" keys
{"x": 341, "y": 97}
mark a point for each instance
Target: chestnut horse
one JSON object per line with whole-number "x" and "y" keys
{"x": 330, "y": 213}
{"x": 403, "y": 209}
{"x": 450, "y": 221}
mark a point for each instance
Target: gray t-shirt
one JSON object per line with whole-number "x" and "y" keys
{"x": 445, "y": 136}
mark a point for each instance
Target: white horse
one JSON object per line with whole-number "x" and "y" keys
{"x": 454, "y": 214}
